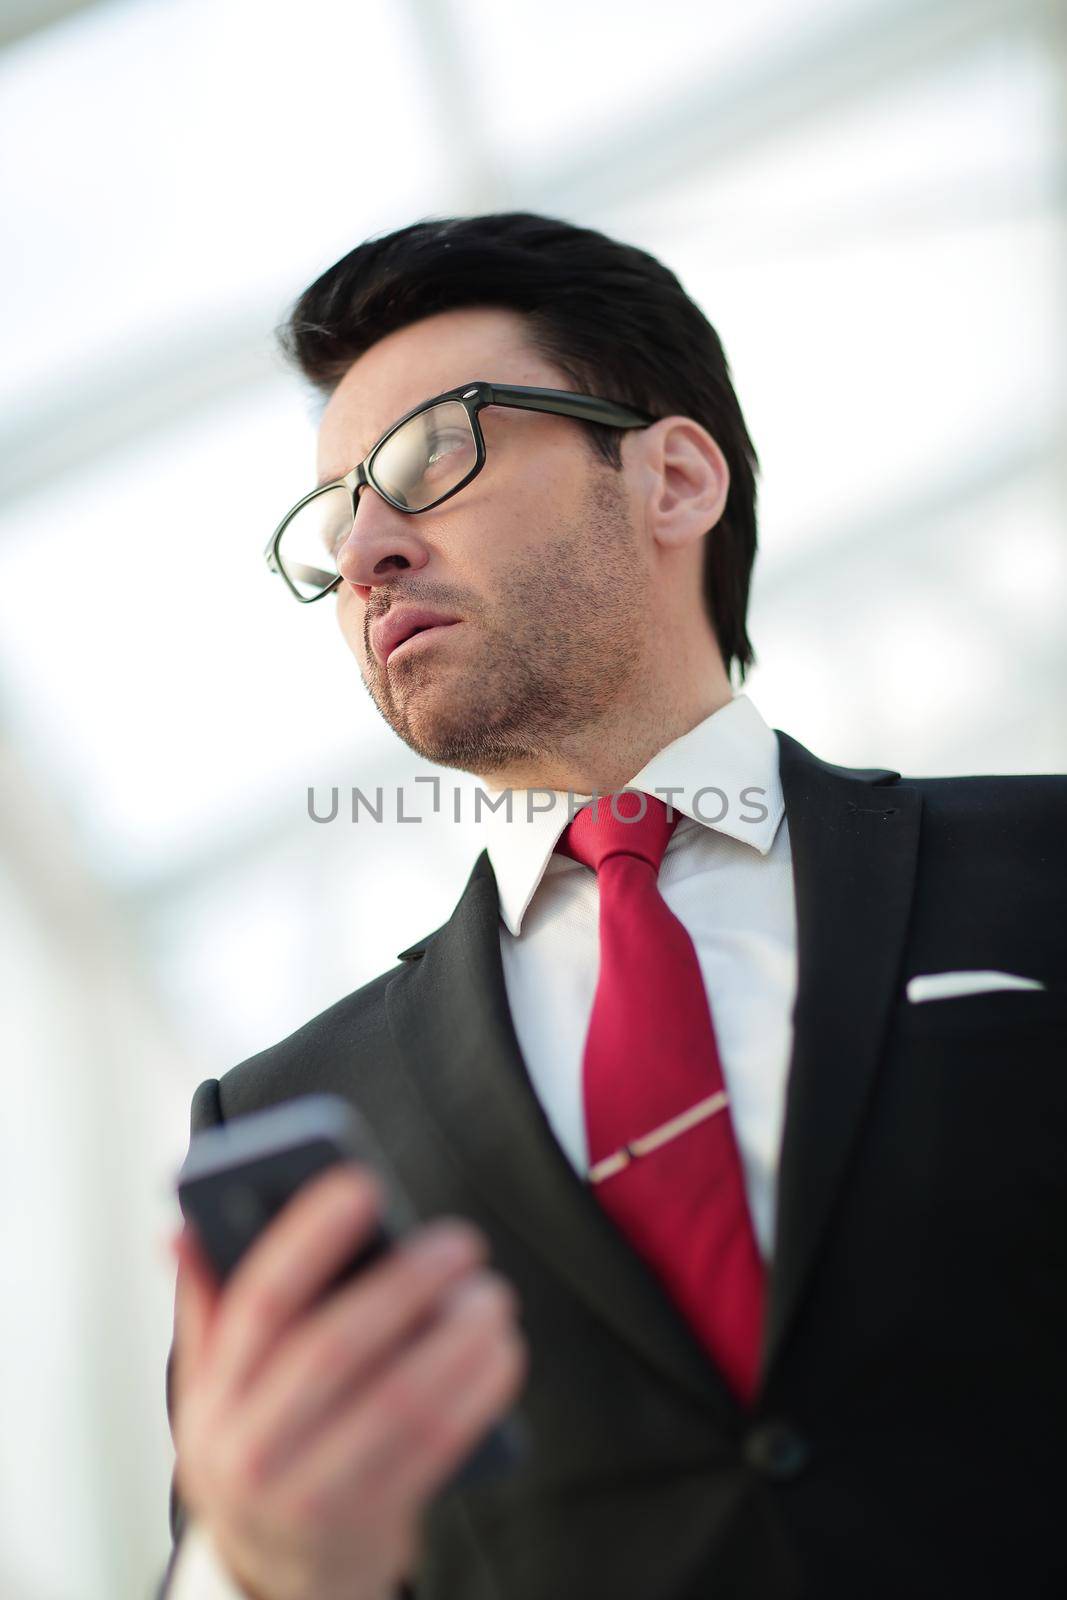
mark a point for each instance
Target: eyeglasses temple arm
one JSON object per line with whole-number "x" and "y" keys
{"x": 586, "y": 407}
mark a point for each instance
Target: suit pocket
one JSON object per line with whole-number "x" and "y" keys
{"x": 991, "y": 1011}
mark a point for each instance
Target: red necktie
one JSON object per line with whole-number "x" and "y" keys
{"x": 664, "y": 1161}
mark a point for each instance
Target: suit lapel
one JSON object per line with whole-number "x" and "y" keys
{"x": 449, "y": 1018}
{"x": 854, "y": 841}
{"x": 854, "y": 836}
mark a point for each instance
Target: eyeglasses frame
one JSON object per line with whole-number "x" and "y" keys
{"x": 474, "y": 397}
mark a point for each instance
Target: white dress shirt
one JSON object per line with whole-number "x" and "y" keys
{"x": 727, "y": 875}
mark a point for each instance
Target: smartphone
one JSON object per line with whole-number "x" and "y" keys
{"x": 238, "y": 1176}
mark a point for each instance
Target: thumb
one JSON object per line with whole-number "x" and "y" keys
{"x": 195, "y": 1299}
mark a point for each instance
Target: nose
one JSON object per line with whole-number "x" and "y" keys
{"x": 381, "y": 541}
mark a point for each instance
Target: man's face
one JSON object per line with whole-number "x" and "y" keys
{"x": 539, "y": 557}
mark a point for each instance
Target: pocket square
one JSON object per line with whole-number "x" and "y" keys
{"x": 944, "y": 985}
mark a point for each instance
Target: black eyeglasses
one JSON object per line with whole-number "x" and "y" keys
{"x": 429, "y": 455}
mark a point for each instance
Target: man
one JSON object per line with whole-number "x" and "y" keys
{"x": 746, "y": 1093}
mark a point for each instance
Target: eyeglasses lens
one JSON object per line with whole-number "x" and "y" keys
{"x": 415, "y": 466}
{"x": 427, "y": 457}
{"x": 307, "y": 549}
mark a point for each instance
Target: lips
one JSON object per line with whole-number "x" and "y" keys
{"x": 399, "y": 624}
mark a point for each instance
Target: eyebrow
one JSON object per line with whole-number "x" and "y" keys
{"x": 335, "y": 477}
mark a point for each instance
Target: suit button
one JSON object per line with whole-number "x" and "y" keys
{"x": 777, "y": 1450}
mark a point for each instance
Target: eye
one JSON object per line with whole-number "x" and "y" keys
{"x": 445, "y": 445}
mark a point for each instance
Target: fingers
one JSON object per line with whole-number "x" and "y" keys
{"x": 480, "y": 1393}
{"x": 349, "y": 1338}
{"x": 407, "y": 1431}
{"x": 287, "y": 1267}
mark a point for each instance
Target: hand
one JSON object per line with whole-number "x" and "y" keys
{"x": 310, "y": 1436}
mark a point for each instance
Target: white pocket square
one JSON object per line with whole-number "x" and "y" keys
{"x": 943, "y": 985}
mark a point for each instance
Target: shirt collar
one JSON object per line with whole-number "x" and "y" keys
{"x": 732, "y": 751}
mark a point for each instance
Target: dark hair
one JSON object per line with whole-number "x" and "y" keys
{"x": 609, "y": 316}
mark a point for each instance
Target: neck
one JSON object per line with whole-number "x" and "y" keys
{"x": 602, "y": 758}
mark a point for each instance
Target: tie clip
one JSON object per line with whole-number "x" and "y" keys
{"x": 607, "y": 1167}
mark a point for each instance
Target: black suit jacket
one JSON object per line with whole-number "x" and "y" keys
{"x": 911, "y": 1429}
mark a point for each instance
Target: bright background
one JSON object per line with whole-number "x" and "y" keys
{"x": 867, "y": 199}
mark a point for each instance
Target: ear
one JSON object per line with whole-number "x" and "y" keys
{"x": 687, "y": 480}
